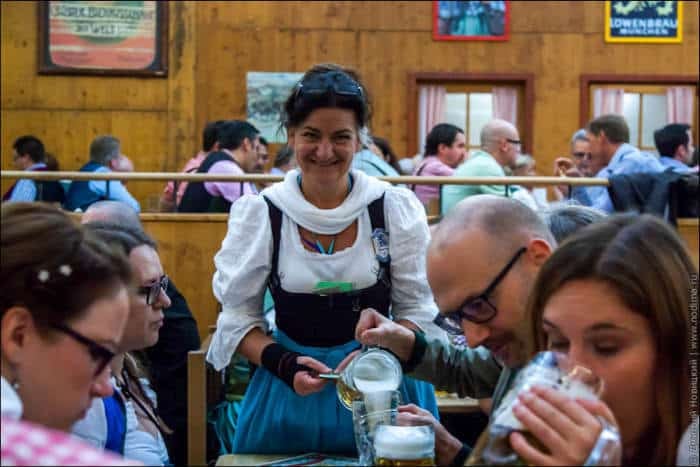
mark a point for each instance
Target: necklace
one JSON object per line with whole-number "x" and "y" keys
{"x": 317, "y": 245}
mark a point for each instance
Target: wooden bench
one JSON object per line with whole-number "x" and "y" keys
{"x": 204, "y": 390}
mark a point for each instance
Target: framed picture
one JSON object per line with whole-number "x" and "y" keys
{"x": 471, "y": 20}
{"x": 655, "y": 22}
{"x": 266, "y": 95}
{"x": 103, "y": 38}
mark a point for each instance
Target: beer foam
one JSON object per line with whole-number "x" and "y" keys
{"x": 404, "y": 442}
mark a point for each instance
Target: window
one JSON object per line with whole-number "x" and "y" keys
{"x": 644, "y": 108}
{"x": 469, "y": 111}
{"x": 468, "y": 101}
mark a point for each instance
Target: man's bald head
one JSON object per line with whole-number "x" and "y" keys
{"x": 497, "y": 138}
{"x": 113, "y": 212}
{"x": 508, "y": 224}
{"x": 496, "y": 129}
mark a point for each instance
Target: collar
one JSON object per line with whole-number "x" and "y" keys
{"x": 38, "y": 165}
{"x": 287, "y": 196}
{"x": 11, "y": 403}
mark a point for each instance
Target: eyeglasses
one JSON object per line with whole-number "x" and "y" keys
{"x": 475, "y": 309}
{"x": 152, "y": 292}
{"x": 338, "y": 82}
{"x": 517, "y": 142}
{"x": 581, "y": 155}
{"x": 99, "y": 354}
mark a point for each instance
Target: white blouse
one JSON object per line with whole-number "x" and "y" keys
{"x": 139, "y": 445}
{"x": 244, "y": 263}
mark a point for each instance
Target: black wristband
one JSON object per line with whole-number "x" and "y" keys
{"x": 417, "y": 352}
{"x": 282, "y": 363}
{"x": 461, "y": 456}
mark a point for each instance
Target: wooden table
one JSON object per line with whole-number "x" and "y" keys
{"x": 250, "y": 459}
{"x": 450, "y": 405}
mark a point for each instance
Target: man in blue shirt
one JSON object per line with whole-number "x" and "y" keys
{"x": 105, "y": 156}
{"x": 29, "y": 155}
{"x": 611, "y": 154}
{"x": 675, "y": 145}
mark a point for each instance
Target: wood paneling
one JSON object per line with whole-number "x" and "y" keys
{"x": 187, "y": 252}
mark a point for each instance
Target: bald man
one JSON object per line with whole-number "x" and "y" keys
{"x": 114, "y": 212}
{"x": 482, "y": 261}
{"x": 500, "y": 146}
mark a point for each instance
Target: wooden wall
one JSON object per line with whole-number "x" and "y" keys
{"x": 214, "y": 44}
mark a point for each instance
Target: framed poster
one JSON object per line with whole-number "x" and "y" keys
{"x": 103, "y": 38}
{"x": 471, "y": 20}
{"x": 657, "y": 22}
{"x": 266, "y": 95}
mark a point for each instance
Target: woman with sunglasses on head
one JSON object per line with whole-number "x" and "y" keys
{"x": 128, "y": 422}
{"x": 329, "y": 241}
{"x": 615, "y": 297}
{"x": 64, "y": 307}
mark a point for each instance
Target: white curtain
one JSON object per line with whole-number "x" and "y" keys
{"x": 431, "y": 111}
{"x": 679, "y": 104}
{"x": 608, "y": 101}
{"x": 505, "y": 104}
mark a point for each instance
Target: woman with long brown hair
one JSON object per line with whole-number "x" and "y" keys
{"x": 616, "y": 298}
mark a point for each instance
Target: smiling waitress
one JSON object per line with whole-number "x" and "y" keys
{"x": 329, "y": 242}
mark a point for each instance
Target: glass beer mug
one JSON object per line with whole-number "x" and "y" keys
{"x": 403, "y": 446}
{"x": 548, "y": 369}
{"x": 372, "y": 370}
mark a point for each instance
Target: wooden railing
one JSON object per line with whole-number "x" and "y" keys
{"x": 264, "y": 178}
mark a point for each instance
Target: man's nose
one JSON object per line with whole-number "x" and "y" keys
{"x": 474, "y": 333}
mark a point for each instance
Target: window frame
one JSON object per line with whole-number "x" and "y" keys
{"x": 633, "y": 83}
{"x": 526, "y": 81}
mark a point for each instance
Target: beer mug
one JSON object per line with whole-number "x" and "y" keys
{"x": 374, "y": 409}
{"x": 548, "y": 369}
{"x": 372, "y": 370}
{"x": 402, "y": 446}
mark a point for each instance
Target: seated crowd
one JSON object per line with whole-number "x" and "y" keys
{"x": 92, "y": 319}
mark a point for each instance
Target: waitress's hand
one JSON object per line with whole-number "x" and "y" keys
{"x": 306, "y": 382}
{"x": 567, "y": 427}
{"x": 446, "y": 446}
{"x": 374, "y": 329}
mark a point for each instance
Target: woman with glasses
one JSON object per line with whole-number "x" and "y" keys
{"x": 329, "y": 241}
{"x": 64, "y": 307}
{"x": 128, "y": 422}
{"x": 617, "y": 298}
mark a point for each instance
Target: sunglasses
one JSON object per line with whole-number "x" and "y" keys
{"x": 152, "y": 292}
{"x": 99, "y": 354}
{"x": 478, "y": 309}
{"x": 338, "y": 82}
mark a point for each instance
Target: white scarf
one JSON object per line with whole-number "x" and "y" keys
{"x": 287, "y": 196}
{"x": 11, "y": 403}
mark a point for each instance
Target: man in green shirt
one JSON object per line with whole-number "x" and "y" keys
{"x": 481, "y": 265}
{"x": 500, "y": 146}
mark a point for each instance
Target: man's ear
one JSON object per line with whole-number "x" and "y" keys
{"x": 17, "y": 324}
{"x": 538, "y": 251}
{"x": 113, "y": 164}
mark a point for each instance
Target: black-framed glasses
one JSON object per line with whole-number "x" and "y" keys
{"x": 517, "y": 142}
{"x": 152, "y": 292}
{"x": 478, "y": 309}
{"x": 338, "y": 82}
{"x": 100, "y": 355}
{"x": 581, "y": 155}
